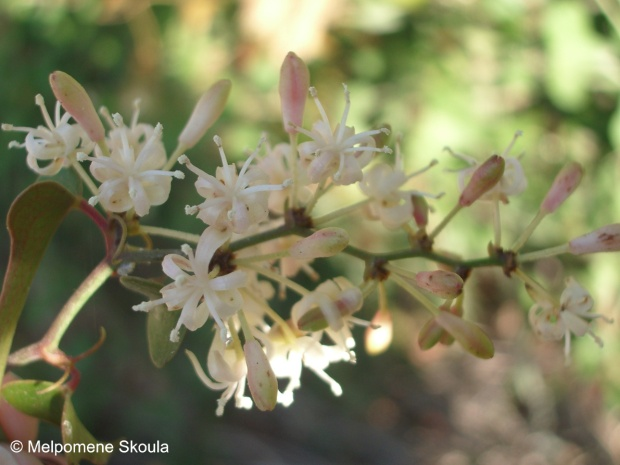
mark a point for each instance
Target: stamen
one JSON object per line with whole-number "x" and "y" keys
{"x": 314, "y": 95}
{"x": 512, "y": 143}
{"x": 146, "y": 306}
{"x": 423, "y": 170}
{"x": 191, "y": 209}
{"x": 251, "y": 157}
{"x": 103, "y": 111}
{"x": 187, "y": 250}
{"x": 225, "y": 166}
{"x": 136, "y": 113}
{"x": 46, "y": 116}
{"x": 145, "y": 152}
{"x": 345, "y": 113}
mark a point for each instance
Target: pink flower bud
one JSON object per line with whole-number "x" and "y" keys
{"x": 605, "y": 239}
{"x": 77, "y": 103}
{"x": 206, "y": 112}
{"x": 486, "y": 176}
{"x": 261, "y": 378}
{"x": 563, "y": 185}
{"x": 420, "y": 210}
{"x": 323, "y": 243}
{"x": 444, "y": 284}
{"x": 294, "y": 84}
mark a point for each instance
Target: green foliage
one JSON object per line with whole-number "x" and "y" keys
{"x": 35, "y": 398}
{"x": 32, "y": 221}
{"x": 75, "y": 434}
{"x": 159, "y": 321}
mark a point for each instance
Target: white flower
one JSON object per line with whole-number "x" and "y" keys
{"x": 131, "y": 177}
{"x": 340, "y": 152}
{"x": 53, "y": 145}
{"x": 276, "y": 165}
{"x": 389, "y": 204}
{"x": 227, "y": 367}
{"x": 330, "y": 307}
{"x": 232, "y": 200}
{"x": 513, "y": 182}
{"x": 382, "y": 184}
{"x": 554, "y": 321}
{"x": 197, "y": 289}
{"x": 288, "y": 357}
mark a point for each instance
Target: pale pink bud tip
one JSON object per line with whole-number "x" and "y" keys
{"x": 605, "y": 239}
{"x": 294, "y": 84}
{"x": 206, "y": 112}
{"x": 261, "y": 378}
{"x": 420, "y": 210}
{"x": 77, "y": 103}
{"x": 325, "y": 242}
{"x": 444, "y": 284}
{"x": 563, "y": 185}
{"x": 486, "y": 176}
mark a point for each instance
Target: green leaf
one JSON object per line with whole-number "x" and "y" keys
{"x": 145, "y": 287}
{"x": 74, "y": 432}
{"x": 69, "y": 179}
{"x": 32, "y": 220}
{"x": 26, "y": 396}
{"x": 159, "y": 323}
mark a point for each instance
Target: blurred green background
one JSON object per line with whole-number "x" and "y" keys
{"x": 460, "y": 73}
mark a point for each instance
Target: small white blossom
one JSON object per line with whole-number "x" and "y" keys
{"x": 392, "y": 205}
{"x": 275, "y": 164}
{"x": 131, "y": 177}
{"x": 50, "y": 148}
{"x": 340, "y": 153}
{"x": 238, "y": 201}
{"x": 554, "y": 321}
{"x": 226, "y": 365}
{"x": 197, "y": 289}
{"x": 330, "y": 307}
{"x": 513, "y": 181}
{"x": 288, "y": 357}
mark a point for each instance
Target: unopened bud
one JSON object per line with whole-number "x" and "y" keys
{"x": 206, "y": 112}
{"x": 605, "y": 239}
{"x": 320, "y": 317}
{"x": 486, "y": 176}
{"x": 467, "y": 334}
{"x": 77, "y": 103}
{"x": 294, "y": 84}
{"x": 378, "y": 335}
{"x": 325, "y": 242}
{"x": 444, "y": 284}
{"x": 563, "y": 185}
{"x": 420, "y": 210}
{"x": 430, "y": 334}
{"x": 261, "y": 378}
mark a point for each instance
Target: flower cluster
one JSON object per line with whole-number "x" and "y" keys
{"x": 260, "y": 232}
